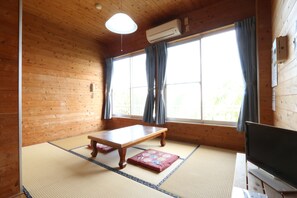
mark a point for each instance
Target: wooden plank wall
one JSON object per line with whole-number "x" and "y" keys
{"x": 284, "y": 17}
{"x": 214, "y": 16}
{"x": 58, "y": 68}
{"x": 263, "y": 24}
{"x": 219, "y": 136}
{"x": 9, "y": 130}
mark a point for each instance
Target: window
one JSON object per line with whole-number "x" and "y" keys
{"x": 129, "y": 86}
{"x": 204, "y": 79}
{"x": 222, "y": 77}
{"x": 183, "y": 95}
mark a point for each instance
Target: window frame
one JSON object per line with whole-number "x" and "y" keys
{"x": 171, "y": 44}
{"x": 129, "y": 55}
{"x": 191, "y": 39}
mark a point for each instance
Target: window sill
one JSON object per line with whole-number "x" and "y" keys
{"x": 183, "y": 121}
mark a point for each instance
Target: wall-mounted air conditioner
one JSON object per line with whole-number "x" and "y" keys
{"x": 164, "y": 31}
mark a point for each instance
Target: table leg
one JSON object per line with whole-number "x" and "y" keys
{"x": 94, "y": 146}
{"x": 163, "y": 135}
{"x": 122, "y": 153}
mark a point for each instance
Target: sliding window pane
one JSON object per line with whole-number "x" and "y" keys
{"x": 121, "y": 102}
{"x": 222, "y": 78}
{"x": 138, "y": 85}
{"x": 138, "y": 97}
{"x": 121, "y": 87}
{"x": 183, "y": 92}
{"x": 184, "y": 101}
{"x": 138, "y": 71}
{"x": 183, "y": 63}
{"x": 121, "y": 74}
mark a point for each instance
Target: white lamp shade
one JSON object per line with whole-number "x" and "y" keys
{"x": 121, "y": 23}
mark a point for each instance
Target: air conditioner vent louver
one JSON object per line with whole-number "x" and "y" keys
{"x": 164, "y": 31}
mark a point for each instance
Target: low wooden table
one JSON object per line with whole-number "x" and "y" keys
{"x": 123, "y": 138}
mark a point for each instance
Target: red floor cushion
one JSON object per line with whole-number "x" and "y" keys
{"x": 153, "y": 159}
{"x": 102, "y": 148}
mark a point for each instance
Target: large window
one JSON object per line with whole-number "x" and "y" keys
{"x": 222, "y": 77}
{"x": 183, "y": 87}
{"x": 129, "y": 86}
{"x": 204, "y": 79}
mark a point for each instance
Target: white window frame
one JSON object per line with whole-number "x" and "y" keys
{"x": 130, "y": 55}
{"x": 195, "y": 38}
{"x": 174, "y": 43}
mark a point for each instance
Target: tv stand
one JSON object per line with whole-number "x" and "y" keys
{"x": 245, "y": 179}
{"x": 273, "y": 182}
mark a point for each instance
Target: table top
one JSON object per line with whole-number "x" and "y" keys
{"x": 127, "y": 136}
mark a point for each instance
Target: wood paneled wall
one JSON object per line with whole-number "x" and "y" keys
{"x": 58, "y": 68}
{"x": 219, "y": 136}
{"x": 284, "y": 17}
{"x": 9, "y": 130}
{"x": 210, "y": 17}
{"x": 263, "y": 23}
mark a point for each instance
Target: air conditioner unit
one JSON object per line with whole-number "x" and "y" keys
{"x": 164, "y": 31}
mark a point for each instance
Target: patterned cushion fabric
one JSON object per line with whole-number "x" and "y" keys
{"x": 102, "y": 148}
{"x": 153, "y": 159}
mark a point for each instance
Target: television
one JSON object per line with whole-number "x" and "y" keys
{"x": 275, "y": 151}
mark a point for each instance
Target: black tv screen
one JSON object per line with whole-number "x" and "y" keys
{"x": 274, "y": 150}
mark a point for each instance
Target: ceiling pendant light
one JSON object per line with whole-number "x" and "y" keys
{"x": 121, "y": 23}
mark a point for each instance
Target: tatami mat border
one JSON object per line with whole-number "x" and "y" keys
{"x": 183, "y": 161}
{"x": 27, "y": 194}
{"x": 139, "y": 148}
{"x": 74, "y": 148}
{"x": 153, "y": 186}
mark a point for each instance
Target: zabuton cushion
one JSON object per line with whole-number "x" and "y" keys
{"x": 102, "y": 148}
{"x": 153, "y": 159}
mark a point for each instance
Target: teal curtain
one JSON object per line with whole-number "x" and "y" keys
{"x": 161, "y": 49}
{"x": 148, "y": 115}
{"x": 108, "y": 86}
{"x": 246, "y": 39}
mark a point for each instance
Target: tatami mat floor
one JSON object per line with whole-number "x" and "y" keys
{"x": 64, "y": 169}
{"x": 49, "y": 171}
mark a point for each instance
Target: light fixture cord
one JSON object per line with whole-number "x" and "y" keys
{"x": 121, "y": 42}
{"x": 121, "y": 34}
